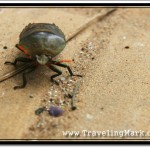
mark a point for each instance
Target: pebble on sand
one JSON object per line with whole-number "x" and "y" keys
{"x": 55, "y": 111}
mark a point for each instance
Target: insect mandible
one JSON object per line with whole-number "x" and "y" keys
{"x": 41, "y": 42}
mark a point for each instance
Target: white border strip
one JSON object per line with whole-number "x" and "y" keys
{"x": 86, "y": 1}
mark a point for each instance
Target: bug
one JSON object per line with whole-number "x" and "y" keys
{"x": 32, "y": 63}
{"x": 41, "y": 42}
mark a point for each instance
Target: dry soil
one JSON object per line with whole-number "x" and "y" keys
{"x": 113, "y": 56}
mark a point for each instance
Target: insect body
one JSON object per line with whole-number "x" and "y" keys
{"x": 42, "y": 39}
{"x": 41, "y": 42}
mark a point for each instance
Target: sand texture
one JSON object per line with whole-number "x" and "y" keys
{"x": 113, "y": 57}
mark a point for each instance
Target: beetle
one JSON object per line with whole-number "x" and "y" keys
{"x": 41, "y": 42}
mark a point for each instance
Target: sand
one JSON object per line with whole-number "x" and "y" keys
{"x": 114, "y": 94}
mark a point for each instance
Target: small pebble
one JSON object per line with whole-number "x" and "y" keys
{"x": 124, "y": 37}
{"x": 102, "y": 108}
{"x": 88, "y": 116}
{"x": 2, "y": 94}
{"x": 5, "y": 47}
{"x": 70, "y": 95}
{"x": 62, "y": 79}
{"x": 55, "y": 111}
{"x": 30, "y": 96}
{"x": 39, "y": 110}
{"x": 140, "y": 44}
{"x": 127, "y": 47}
{"x": 50, "y": 93}
{"x": 54, "y": 125}
{"x": 73, "y": 108}
{"x": 90, "y": 46}
{"x": 50, "y": 100}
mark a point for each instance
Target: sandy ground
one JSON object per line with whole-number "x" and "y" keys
{"x": 113, "y": 56}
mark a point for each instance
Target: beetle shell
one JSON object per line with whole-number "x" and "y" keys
{"x": 42, "y": 39}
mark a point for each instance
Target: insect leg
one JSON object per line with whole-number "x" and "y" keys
{"x": 21, "y": 59}
{"x": 59, "y": 72}
{"x": 68, "y": 67}
{"x": 24, "y": 78}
